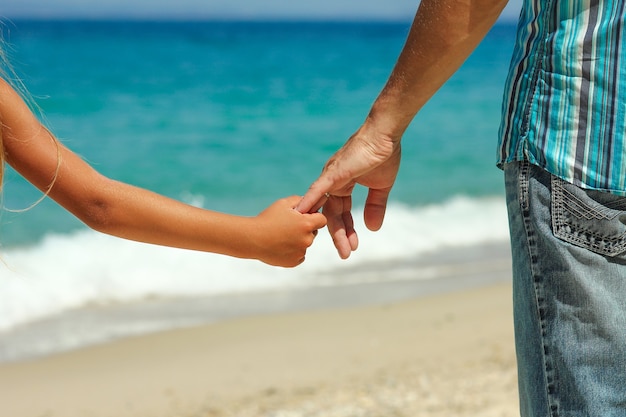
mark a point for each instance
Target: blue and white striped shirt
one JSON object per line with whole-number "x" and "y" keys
{"x": 565, "y": 99}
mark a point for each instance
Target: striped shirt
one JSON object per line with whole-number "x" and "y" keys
{"x": 564, "y": 107}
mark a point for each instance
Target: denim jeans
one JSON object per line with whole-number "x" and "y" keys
{"x": 569, "y": 292}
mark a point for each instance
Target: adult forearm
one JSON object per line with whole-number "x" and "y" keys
{"x": 443, "y": 34}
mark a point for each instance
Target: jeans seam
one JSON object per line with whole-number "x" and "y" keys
{"x": 524, "y": 183}
{"x": 522, "y": 191}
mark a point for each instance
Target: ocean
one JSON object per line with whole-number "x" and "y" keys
{"x": 231, "y": 116}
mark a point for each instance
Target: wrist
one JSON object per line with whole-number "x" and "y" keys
{"x": 388, "y": 120}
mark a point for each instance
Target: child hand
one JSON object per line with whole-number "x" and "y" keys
{"x": 282, "y": 234}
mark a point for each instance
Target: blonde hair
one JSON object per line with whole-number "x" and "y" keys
{"x": 10, "y": 76}
{"x": 5, "y": 68}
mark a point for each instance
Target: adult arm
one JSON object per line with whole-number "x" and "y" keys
{"x": 442, "y": 36}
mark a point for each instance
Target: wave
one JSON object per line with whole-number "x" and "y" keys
{"x": 64, "y": 272}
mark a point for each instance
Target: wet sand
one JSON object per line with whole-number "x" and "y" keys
{"x": 443, "y": 353}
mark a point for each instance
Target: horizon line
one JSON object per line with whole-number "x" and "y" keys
{"x": 218, "y": 18}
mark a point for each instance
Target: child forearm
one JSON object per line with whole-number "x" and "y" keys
{"x": 279, "y": 235}
{"x": 134, "y": 213}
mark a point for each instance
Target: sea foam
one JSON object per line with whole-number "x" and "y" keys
{"x": 64, "y": 272}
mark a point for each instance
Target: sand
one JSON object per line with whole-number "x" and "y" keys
{"x": 443, "y": 354}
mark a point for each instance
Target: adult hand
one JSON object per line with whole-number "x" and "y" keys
{"x": 367, "y": 158}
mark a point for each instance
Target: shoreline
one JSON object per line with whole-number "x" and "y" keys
{"x": 378, "y": 283}
{"x": 439, "y": 355}
{"x": 446, "y": 348}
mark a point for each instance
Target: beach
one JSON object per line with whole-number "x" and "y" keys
{"x": 231, "y": 116}
{"x": 446, "y": 350}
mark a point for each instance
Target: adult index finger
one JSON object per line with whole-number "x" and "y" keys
{"x": 314, "y": 198}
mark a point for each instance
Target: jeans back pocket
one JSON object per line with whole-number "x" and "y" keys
{"x": 590, "y": 219}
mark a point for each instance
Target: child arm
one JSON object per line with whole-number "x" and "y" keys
{"x": 279, "y": 235}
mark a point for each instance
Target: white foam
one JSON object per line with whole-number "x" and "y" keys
{"x": 68, "y": 271}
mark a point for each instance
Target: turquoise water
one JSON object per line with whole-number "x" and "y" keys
{"x": 232, "y": 116}
{"x": 236, "y": 115}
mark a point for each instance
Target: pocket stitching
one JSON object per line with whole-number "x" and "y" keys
{"x": 612, "y": 246}
{"x": 600, "y": 212}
